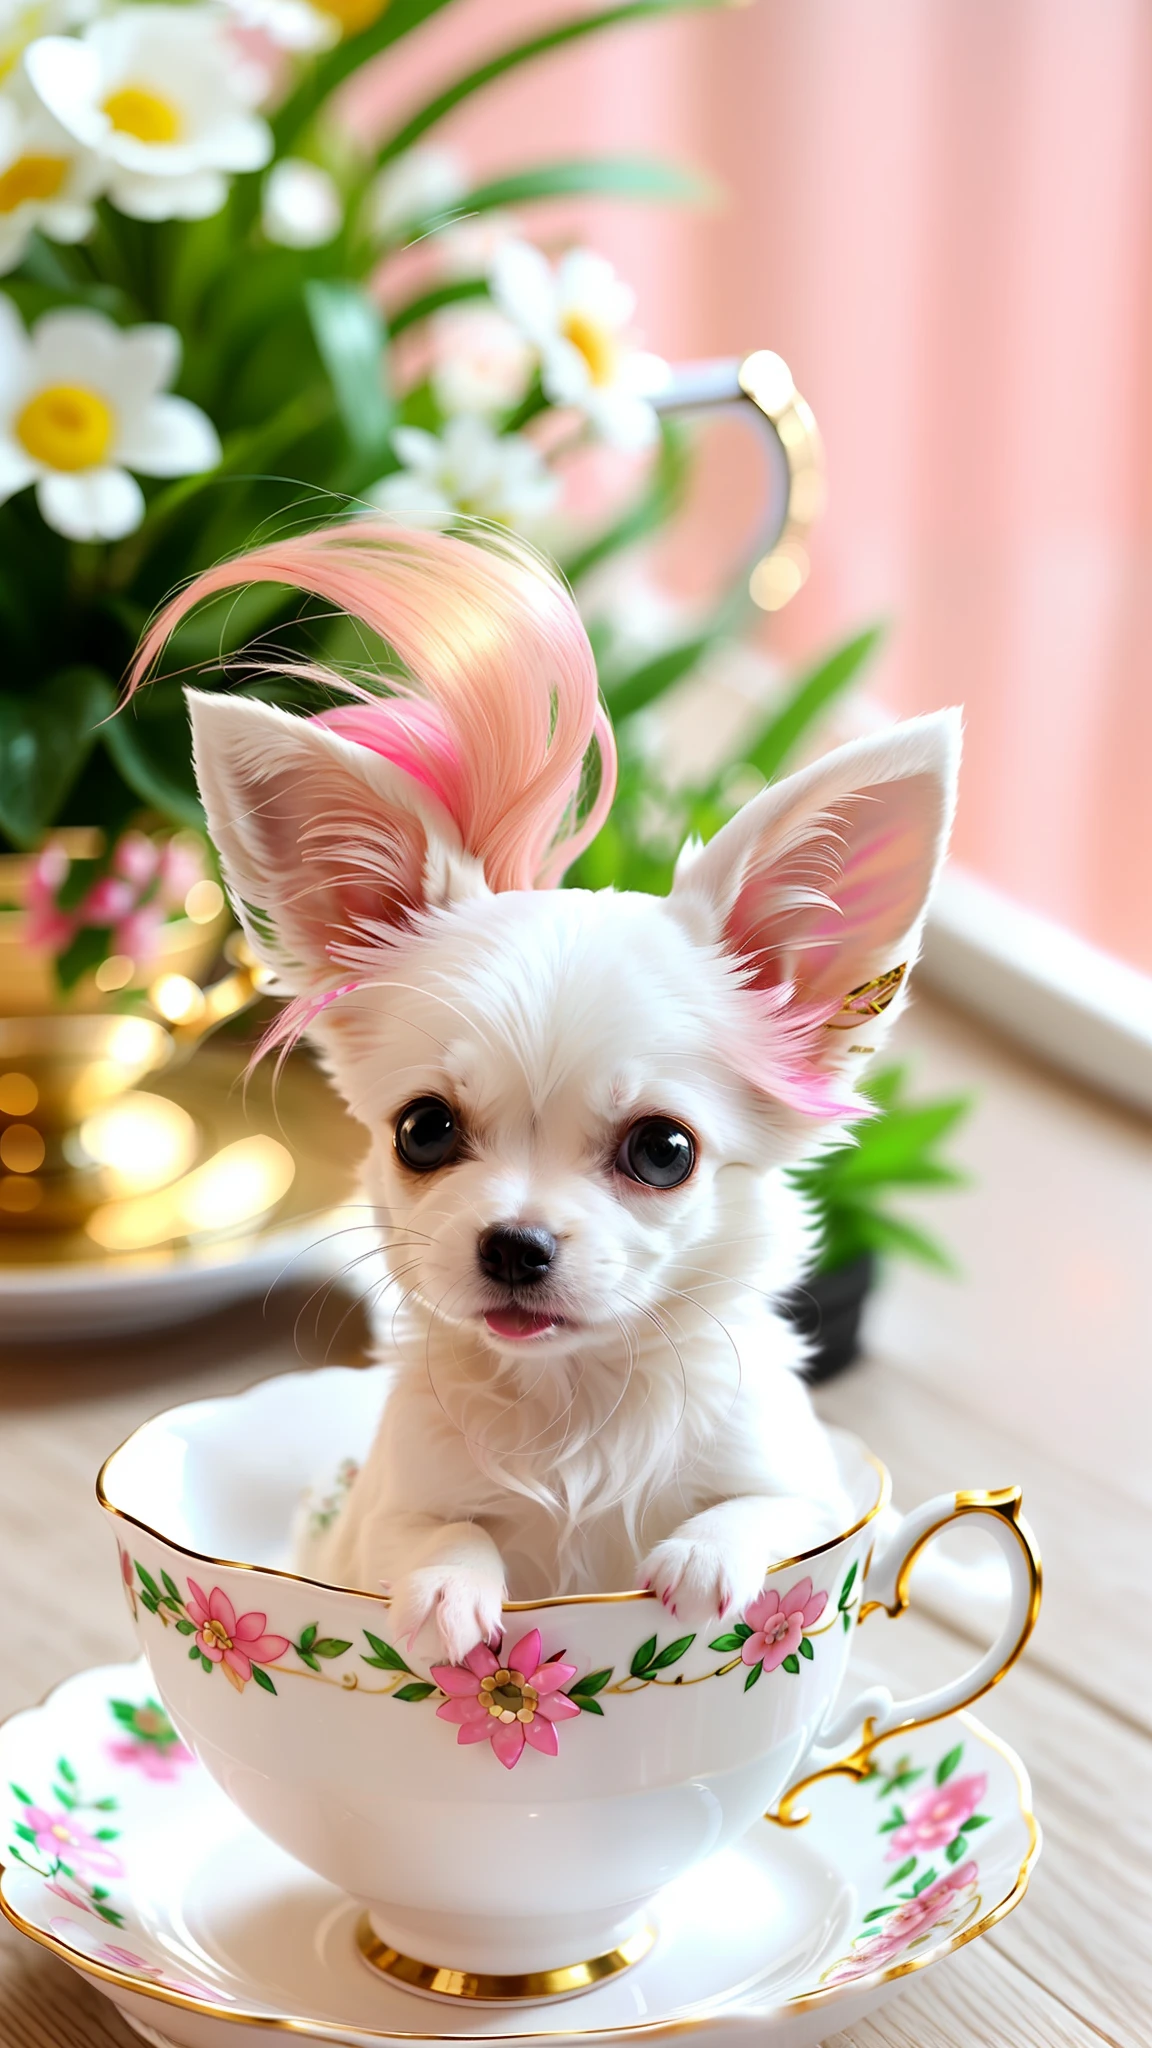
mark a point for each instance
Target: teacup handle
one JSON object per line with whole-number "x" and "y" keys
{"x": 888, "y": 1580}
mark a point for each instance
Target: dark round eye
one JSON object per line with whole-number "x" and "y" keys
{"x": 427, "y": 1134}
{"x": 657, "y": 1152}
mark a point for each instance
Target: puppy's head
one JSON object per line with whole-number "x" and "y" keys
{"x": 575, "y": 1101}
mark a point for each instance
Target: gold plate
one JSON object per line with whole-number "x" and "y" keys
{"x": 256, "y": 1160}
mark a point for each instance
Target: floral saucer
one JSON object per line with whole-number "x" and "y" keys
{"x": 126, "y": 1860}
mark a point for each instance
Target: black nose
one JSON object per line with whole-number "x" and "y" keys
{"x": 517, "y": 1256}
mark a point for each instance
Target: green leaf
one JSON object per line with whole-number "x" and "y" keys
{"x": 351, "y": 337}
{"x": 262, "y": 1679}
{"x": 107, "y": 1835}
{"x": 899, "y": 1875}
{"x": 148, "y": 1581}
{"x": 586, "y": 1705}
{"x": 451, "y": 294}
{"x": 194, "y": 1653}
{"x": 948, "y": 1764}
{"x": 308, "y": 1637}
{"x": 631, "y": 693}
{"x": 846, "y": 1618}
{"x": 419, "y": 1691}
{"x": 672, "y": 1653}
{"x": 330, "y": 1646}
{"x": 878, "y": 1913}
{"x": 185, "y": 1628}
{"x": 616, "y": 177}
{"x": 977, "y": 1820}
{"x": 45, "y": 738}
{"x": 922, "y": 1883}
{"x": 307, "y": 1658}
{"x": 897, "y": 1821}
{"x": 386, "y": 1658}
{"x": 150, "y": 742}
{"x": 805, "y": 1648}
{"x": 516, "y": 54}
{"x": 124, "y": 1711}
{"x": 791, "y": 1665}
{"x": 65, "y": 1770}
{"x": 642, "y": 1657}
{"x": 593, "y": 1681}
{"x": 807, "y": 699}
{"x": 661, "y": 498}
{"x": 849, "y": 1582}
{"x": 956, "y": 1849}
{"x": 171, "y": 1587}
{"x": 63, "y": 1798}
{"x": 110, "y": 1914}
{"x": 25, "y": 1833}
{"x": 147, "y": 1601}
{"x": 727, "y": 1642}
{"x": 754, "y": 1671}
{"x": 743, "y": 1629}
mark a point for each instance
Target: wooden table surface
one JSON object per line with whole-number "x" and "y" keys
{"x": 1033, "y": 1367}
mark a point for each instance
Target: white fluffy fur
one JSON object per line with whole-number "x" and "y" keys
{"x": 660, "y": 1434}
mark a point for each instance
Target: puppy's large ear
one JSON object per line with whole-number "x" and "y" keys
{"x": 819, "y": 886}
{"x": 326, "y": 846}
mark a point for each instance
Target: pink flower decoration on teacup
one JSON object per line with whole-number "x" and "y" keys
{"x": 60, "y": 1837}
{"x": 160, "y": 1762}
{"x": 235, "y": 1642}
{"x": 72, "y": 1934}
{"x": 911, "y": 1921}
{"x": 778, "y": 1624}
{"x": 936, "y": 1816}
{"x": 507, "y": 1703}
{"x": 71, "y": 1897}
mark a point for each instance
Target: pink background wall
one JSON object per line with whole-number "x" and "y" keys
{"x": 938, "y": 212}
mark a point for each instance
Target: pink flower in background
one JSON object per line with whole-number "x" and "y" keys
{"x": 224, "y": 1637}
{"x": 507, "y": 1704}
{"x": 138, "y": 934}
{"x": 181, "y": 864}
{"x": 136, "y": 858}
{"x": 778, "y": 1624}
{"x": 64, "y": 1891}
{"x": 917, "y": 1915}
{"x": 45, "y": 924}
{"x": 60, "y": 1837}
{"x": 934, "y": 1817}
{"x": 161, "y": 1762}
{"x": 108, "y": 900}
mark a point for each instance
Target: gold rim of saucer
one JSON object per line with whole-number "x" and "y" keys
{"x": 484, "y": 1987}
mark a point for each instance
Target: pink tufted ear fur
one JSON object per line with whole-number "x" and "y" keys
{"x": 817, "y": 889}
{"x": 327, "y": 847}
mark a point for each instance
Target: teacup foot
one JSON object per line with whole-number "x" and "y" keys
{"x": 438, "y": 1980}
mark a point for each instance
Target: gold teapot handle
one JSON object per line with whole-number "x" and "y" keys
{"x": 191, "y": 1013}
{"x": 761, "y": 386}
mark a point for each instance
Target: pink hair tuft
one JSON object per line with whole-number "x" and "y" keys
{"x": 496, "y": 712}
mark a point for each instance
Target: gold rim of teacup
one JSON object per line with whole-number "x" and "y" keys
{"x": 272, "y": 1571}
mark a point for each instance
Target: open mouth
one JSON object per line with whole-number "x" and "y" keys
{"x": 521, "y": 1322}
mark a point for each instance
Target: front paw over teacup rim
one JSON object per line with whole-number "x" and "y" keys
{"x": 506, "y": 1821}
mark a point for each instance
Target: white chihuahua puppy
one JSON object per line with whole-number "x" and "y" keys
{"x": 581, "y": 1106}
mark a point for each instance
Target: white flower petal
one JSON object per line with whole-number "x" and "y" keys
{"x": 147, "y": 360}
{"x": 65, "y": 222}
{"x": 621, "y": 418}
{"x": 587, "y": 283}
{"x": 14, "y": 233}
{"x": 65, "y": 73}
{"x": 168, "y": 437}
{"x": 420, "y": 184}
{"x": 17, "y": 468}
{"x": 14, "y": 351}
{"x": 150, "y": 198}
{"x": 90, "y": 504}
{"x": 413, "y": 497}
{"x": 73, "y": 345}
{"x": 301, "y": 206}
{"x": 416, "y": 448}
{"x": 564, "y": 373}
{"x": 523, "y": 287}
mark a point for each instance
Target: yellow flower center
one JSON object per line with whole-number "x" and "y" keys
{"x": 62, "y": 1833}
{"x": 31, "y": 177}
{"x": 137, "y": 110}
{"x": 508, "y": 1696}
{"x": 214, "y": 1633}
{"x": 596, "y": 345}
{"x": 352, "y": 15}
{"x": 66, "y": 426}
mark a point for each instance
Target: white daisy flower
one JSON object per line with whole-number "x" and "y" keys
{"x": 576, "y": 318}
{"x": 470, "y": 469}
{"x": 417, "y": 187}
{"x": 161, "y": 96}
{"x": 45, "y": 181}
{"x": 82, "y": 402}
{"x": 481, "y": 362}
{"x": 300, "y": 206}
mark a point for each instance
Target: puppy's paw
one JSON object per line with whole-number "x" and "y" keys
{"x": 439, "y": 1612}
{"x": 698, "y": 1579}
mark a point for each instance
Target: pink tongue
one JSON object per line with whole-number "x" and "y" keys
{"x": 516, "y": 1322}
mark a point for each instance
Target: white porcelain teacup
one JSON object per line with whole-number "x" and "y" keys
{"x": 508, "y": 1829}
